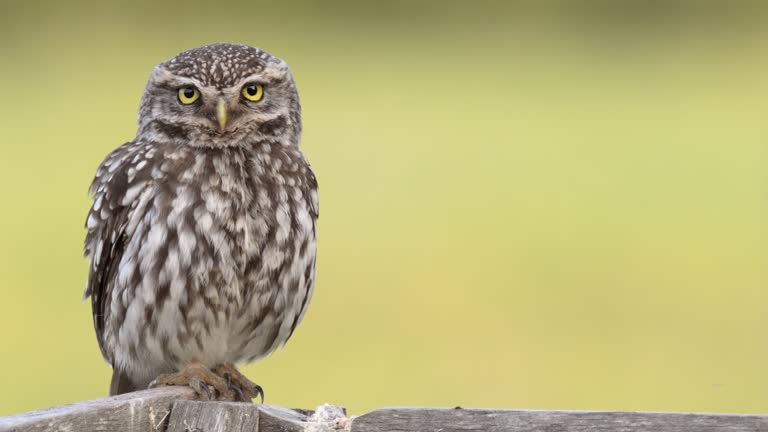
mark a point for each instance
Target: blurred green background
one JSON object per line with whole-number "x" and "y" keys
{"x": 524, "y": 204}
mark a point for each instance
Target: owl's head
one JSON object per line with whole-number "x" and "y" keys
{"x": 221, "y": 95}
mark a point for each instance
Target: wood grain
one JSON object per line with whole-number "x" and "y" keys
{"x": 275, "y": 418}
{"x": 192, "y": 416}
{"x": 455, "y": 420}
{"x": 142, "y": 411}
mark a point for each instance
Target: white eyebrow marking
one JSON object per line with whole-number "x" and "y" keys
{"x": 162, "y": 76}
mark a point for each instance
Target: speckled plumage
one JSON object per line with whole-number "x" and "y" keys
{"x": 202, "y": 239}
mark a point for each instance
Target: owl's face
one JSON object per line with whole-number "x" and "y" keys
{"x": 221, "y": 95}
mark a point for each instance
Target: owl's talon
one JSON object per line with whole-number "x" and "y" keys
{"x": 235, "y": 388}
{"x": 200, "y": 386}
{"x": 245, "y": 389}
{"x": 259, "y": 391}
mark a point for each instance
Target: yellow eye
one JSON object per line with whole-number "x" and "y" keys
{"x": 188, "y": 95}
{"x": 253, "y": 92}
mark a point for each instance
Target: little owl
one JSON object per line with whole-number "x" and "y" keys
{"x": 202, "y": 233}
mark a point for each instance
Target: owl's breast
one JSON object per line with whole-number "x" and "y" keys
{"x": 220, "y": 261}
{"x": 255, "y": 225}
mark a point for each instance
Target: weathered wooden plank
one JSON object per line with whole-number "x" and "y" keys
{"x": 191, "y": 416}
{"x": 154, "y": 410}
{"x": 198, "y": 416}
{"x": 455, "y": 420}
{"x": 142, "y": 411}
{"x": 280, "y": 419}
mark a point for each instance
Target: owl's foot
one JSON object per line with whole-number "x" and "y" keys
{"x": 208, "y": 385}
{"x": 239, "y": 383}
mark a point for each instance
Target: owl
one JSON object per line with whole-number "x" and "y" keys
{"x": 202, "y": 233}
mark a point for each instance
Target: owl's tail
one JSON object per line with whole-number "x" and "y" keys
{"x": 121, "y": 383}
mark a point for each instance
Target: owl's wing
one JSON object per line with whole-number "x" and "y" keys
{"x": 116, "y": 191}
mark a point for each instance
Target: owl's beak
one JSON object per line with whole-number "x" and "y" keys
{"x": 221, "y": 113}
